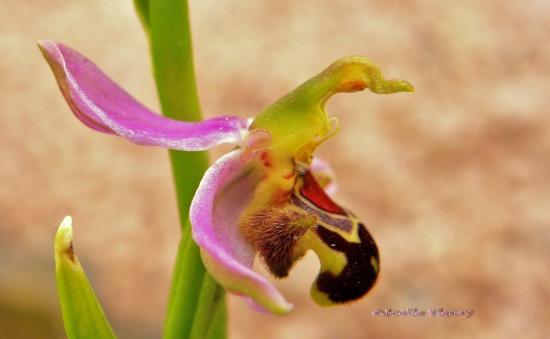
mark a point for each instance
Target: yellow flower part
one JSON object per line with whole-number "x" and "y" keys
{"x": 290, "y": 213}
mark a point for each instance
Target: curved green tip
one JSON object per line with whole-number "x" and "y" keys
{"x": 391, "y": 86}
{"x": 83, "y": 316}
{"x": 64, "y": 241}
{"x": 356, "y": 73}
{"x": 299, "y": 118}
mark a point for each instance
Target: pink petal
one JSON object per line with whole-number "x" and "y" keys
{"x": 324, "y": 175}
{"x": 102, "y": 105}
{"x": 224, "y": 192}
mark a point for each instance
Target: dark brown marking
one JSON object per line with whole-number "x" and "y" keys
{"x": 69, "y": 252}
{"x": 358, "y": 276}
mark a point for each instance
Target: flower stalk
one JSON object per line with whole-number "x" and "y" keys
{"x": 194, "y": 295}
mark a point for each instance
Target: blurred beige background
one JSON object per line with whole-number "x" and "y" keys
{"x": 453, "y": 179}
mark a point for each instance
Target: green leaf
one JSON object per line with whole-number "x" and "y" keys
{"x": 83, "y": 315}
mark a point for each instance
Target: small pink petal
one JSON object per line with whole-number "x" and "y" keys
{"x": 104, "y": 106}
{"x": 324, "y": 174}
{"x": 225, "y": 190}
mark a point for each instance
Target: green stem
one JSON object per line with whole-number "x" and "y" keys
{"x": 209, "y": 295}
{"x": 184, "y": 301}
{"x": 194, "y": 296}
{"x": 173, "y": 59}
{"x": 218, "y": 320}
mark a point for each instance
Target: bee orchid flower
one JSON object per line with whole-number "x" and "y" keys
{"x": 266, "y": 197}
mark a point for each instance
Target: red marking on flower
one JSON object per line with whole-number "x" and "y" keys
{"x": 264, "y": 157}
{"x": 281, "y": 197}
{"x": 289, "y": 175}
{"x": 315, "y": 194}
{"x": 353, "y": 86}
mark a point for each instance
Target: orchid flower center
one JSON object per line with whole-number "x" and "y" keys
{"x": 290, "y": 213}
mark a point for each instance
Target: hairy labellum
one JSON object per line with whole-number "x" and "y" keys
{"x": 312, "y": 221}
{"x": 275, "y": 233}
